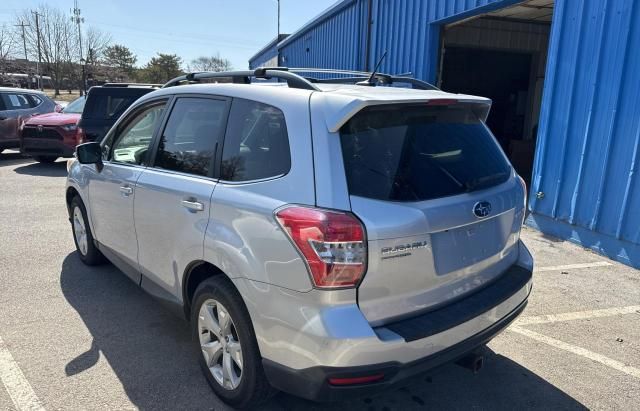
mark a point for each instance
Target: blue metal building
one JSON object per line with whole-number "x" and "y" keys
{"x": 564, "y": 78}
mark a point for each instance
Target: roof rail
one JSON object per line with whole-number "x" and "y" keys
{"x": 296, "y": 80}
{"x": 356, "y": 76}
{"x": 382, "y": 79}
{"x": 244, "y": 77}
{"x": 131, "y": 84}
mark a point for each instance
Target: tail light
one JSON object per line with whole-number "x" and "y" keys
{"x": 331, "y": 242}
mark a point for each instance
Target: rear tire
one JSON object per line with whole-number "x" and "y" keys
{"x": 248, "y": 388}
{"x": 45, "y": 159}
{"x": 82, "y": 236}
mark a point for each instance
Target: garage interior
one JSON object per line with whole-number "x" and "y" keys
{"x": 502, "y": 55}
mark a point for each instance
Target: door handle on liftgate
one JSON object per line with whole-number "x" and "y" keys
{"x": 193, "y": 205}
{"x": 126, "y": 191}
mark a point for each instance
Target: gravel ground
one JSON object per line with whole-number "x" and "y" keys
{"x": 74, "y": 337}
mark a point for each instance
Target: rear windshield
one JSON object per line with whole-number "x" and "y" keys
{"x": 110, "y": 103}
{"x": 420, "y": 152}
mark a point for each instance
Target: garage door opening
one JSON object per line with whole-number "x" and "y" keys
{"x": 502, "y": 55}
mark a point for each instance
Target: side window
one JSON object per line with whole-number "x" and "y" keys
{"x": 191, "y": 136}
{"x": 132, "y": 142}
{"x": 256, "y": 144}
{"x": 34, "y": 101}
{"x": 15, "y": 101}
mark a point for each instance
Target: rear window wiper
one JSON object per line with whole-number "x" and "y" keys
{"x": 483, "y": 181}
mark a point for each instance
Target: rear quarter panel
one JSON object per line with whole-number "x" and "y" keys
{"x": 243, "y": 238}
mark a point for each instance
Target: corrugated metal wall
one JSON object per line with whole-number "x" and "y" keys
{"x": 265, "y": 56}
{"x": 268, "y": 56}
{"x": 587, "y": 155}
{"x": 409, "y": 30}
{"x": 588, "y": 137}
{"x": 336, "y": 41}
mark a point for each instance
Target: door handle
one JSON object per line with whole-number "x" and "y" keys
{"x": 193, "y": 205}
{"x": 126, "y": 190}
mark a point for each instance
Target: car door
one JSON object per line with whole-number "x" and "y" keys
{"x": 9, "y": 118}
{"x": 112, "y": 189}
{"x": 173, "y": 196}
{"x": 5, "y": 122}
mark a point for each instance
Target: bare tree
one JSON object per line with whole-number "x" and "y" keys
{"x": 210, "y": 63}
{"x": 56, "y": 39}
{"x": 7, "y": 46}
{"x": 96, "y": 43}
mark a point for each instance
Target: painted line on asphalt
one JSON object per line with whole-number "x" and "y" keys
{"x": 19, "y": 389}
{"x": 577, "y": 315}
{"x": 573, "y": 266}
{"x": 617, "y": 365}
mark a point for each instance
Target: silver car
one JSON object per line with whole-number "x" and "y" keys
{"x": 324, "y": 237}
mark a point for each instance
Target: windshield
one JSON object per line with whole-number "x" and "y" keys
{"x": 420, "y": 152}
{"x": 75, "y": 107}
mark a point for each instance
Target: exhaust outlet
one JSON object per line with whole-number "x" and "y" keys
{"x": 472, "y": 362}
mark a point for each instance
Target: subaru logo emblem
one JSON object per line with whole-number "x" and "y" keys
{"x": 482, "y": 209}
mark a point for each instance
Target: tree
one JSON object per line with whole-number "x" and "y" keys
{"x": 7, "y": 46}
{"x": 57, "y": 39}
{"x": 96, "y": 43}
{"x": 212, "y": 63}
{"x": 121, "y": 57}
{"x": 161, "y": 68}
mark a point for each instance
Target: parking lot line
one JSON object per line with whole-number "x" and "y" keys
{"x": 573, "y": 266}
{"x": 19, "y": 389}
{"x": 617, "y": 365}
{"x": 578, "y": 315}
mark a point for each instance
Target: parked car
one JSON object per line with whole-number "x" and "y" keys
{"x": 17, "y": 106}
{"x": 48, "y": 136}
{"x": 323, "y": 239}
{"x": 105, "y": 104}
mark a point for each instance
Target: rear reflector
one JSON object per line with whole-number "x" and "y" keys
{"x": 368, "y": 379}
{"x": 331, "y": 242}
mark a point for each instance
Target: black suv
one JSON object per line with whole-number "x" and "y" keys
{"x": 106, "y": 103}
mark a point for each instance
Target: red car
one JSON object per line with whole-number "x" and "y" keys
{"x": 48, "y": 136}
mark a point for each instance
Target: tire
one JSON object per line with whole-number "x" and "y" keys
{"x": 45, "y": 159}
{"x": 82, "y": 236}
{"x": 253, "y": 387}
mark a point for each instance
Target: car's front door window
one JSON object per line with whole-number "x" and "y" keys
{"x": 132, "y": 142}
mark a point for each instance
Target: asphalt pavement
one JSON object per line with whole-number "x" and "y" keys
{"x": 74, "y": 337}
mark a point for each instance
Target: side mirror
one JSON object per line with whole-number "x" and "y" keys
{"x": 90, "y": 153}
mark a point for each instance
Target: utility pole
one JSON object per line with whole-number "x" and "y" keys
{"x": 78, "y": 19}
{"x": 24, "y": 39}
{"x": 39, "y": 51}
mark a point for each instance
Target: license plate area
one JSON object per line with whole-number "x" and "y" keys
{"x": 465, "y": 246}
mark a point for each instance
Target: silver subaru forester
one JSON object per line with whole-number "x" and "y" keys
{"x": 327, "y": 237}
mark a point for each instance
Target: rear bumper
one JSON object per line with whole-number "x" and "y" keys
{"x": 43, "y": 147}
{"x": 338, "y": 342}
{"x": 313, "y": 383}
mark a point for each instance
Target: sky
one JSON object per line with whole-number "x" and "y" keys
{"x": 236, "y": 29}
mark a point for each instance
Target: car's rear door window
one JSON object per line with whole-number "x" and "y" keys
{"x": 420, "y": 152}
{"x": 192, "y": 135}
{"x": 256, "y": 145}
